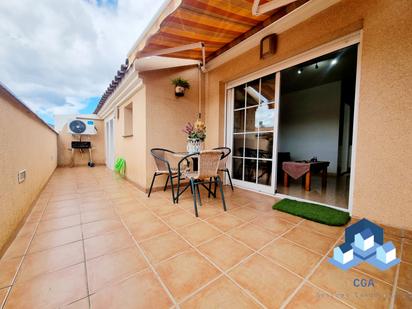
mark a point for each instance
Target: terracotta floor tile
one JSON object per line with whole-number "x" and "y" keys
{"x": 59, "y": 213}
{"x": 59, "y": 223}
{"x": 341, "y": 283}
{"x": 180, "y": 219}
{"x": 273, "y": 224}
{"x": 252, "y": 235}
{"x": 185, "y": 273}
{"x": 51, "y": 260}
{"x": 245, "y": 213}
{"x": 224, "y": 251}
{"x": 165, "y": 209}
{"x": 222, "y": 293}
{"x": 209, "y": 210}
{"x": 63, "y": 204}
{"x": 387, "y": 275}
{"x": 55, "y": 238}
{"x": 405, "y": 277}
{"x": 407, "y": 252}
{"x": 147, "y": 229}
{"x": 136, "y": 218}
{"x": 292, "y": 256}
{"x": 79, "y": 304}
{"x": 98, "y": 215}
{"x": 327, "y": 230}
{"x": 311, "y": 240}
{"x": 27, "y": 229}
{"x": 18, "y": 247}
{"x": 3, "y": 294}
{"x": 140, "y": 291}
{"x": 287, "y": 217}
{"x": 268, "y": 282}
{"x": 107, "y": 243}
{"x": 403, "y": 299}
{"x": 8, "y": 268}
{"x": 198, "y": 233}
{"x": 225, "y": 222}
{"x": 164, "y": 246}
{"x": 95, "y": 205}
{"x": 100, "y": 227}
{"x": 50, "y": 290}
{"x": 311, "y": 297}
{"x": 113, "y": 267}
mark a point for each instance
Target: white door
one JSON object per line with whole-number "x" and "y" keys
{"x": 252, "y": 122}
{"x": 109, "y": 129}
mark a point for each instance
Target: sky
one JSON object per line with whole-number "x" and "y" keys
{"x": 59, "y": 56}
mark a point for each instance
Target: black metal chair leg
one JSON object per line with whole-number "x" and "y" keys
{"x": 167, "y": 180}
{"x": 210, "y": 187}
{"x": 173, "y": 189}
{"x": 198, "y": 194}
{"x": 151, "y": 186}
{"x": 221, "y": 192}
{"x": 192, "y": 185}
{"x": 230, "y": 178}
{"x": 214, "y": 192}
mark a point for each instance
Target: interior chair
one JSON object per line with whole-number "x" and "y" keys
{"x": 223, "y": 160}
{"x": 163, "y": 168}
{"x": 207, "y": 173}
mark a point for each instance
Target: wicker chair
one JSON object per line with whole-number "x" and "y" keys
{"x": 222, "y": 165}
{"x": 163, "y": 168}
{"x": 208, "y": 164}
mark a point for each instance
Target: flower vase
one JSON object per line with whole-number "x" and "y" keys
{"x": 194, "y": 145}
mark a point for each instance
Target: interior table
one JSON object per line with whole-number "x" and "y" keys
{"x": 297, "y": 169}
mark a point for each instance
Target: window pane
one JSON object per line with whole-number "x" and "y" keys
{"x": 240, "y": 96}
{"x": 238, "y": 145}
{"x": 265, "y": 117}
{"x": 265, "y": 145}
{"x": 268, "y": 88}
{"x": 265, "y": 172}
{"x": 251, "y": 119}
{"x": 237, "y": 165}
{"x": 252, "y": 90}
{"x": 239, "y": 121}
{"x": 250, "y": 170}
{"x": 251, "y": 145}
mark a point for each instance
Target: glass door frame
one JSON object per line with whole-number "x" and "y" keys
{"x": 269, "y": 189}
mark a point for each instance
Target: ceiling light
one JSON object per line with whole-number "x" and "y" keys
{"x": 334, "y": 61}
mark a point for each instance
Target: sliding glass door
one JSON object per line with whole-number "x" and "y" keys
{"x": 252, "y": 120}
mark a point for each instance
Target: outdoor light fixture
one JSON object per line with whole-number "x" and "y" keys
{"x": 300, "y": 71}
{"x": 334, "y": 61}
{"x": 316, "y": 66}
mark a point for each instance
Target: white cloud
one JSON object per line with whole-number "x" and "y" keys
{"x": 56, "y": 54}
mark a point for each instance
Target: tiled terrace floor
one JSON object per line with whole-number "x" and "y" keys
{"x": 94, "y": 240}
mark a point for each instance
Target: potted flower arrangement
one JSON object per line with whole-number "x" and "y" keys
{"x": 180, "y": 86}
{"x": 196, "y": 134}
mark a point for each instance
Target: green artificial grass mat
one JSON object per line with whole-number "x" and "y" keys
{"x": 314, "y": 212}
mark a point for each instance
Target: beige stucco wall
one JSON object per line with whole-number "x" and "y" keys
{"x": 25, "y": 144}
{"x": 167, "y": 114}
{"x": 133, "y": 148}
{"x": 383, "y": 182}
{"x": 98, "y": 144}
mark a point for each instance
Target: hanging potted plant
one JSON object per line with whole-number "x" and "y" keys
{"x": 196, "y": 135}
{"x": 180, "y": 86}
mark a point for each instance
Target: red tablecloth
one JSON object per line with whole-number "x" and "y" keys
{"x": 296, "y": 169}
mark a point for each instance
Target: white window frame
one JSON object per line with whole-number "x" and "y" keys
{"x": 345, "y": 41}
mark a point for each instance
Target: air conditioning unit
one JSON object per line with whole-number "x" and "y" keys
{"x": 81, "y": 127}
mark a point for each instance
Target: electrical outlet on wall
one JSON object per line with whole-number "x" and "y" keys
{"x": 21, "y": 176}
